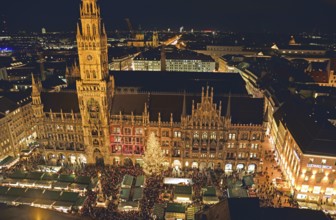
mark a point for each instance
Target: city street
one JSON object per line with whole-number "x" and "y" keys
{"x": 264, "y": 182}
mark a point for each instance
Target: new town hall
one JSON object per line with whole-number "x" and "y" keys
{"x": 201, "y": 119}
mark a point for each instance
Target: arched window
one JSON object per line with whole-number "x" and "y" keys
{"x": 87, "y": 8}
{"x": 213, "y": 136}
{"x": 94, "y": 132}
{"x": 94, "y": 74}
{"x": 94, "y": 31}
{"x": 95, "y": 142}
{"x": 87, "y": 74}
{"x": 88, "y": 29}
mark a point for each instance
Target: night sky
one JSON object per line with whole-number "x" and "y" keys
{"x": 236, "y": 15}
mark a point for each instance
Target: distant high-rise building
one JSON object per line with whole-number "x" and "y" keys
{"x": 44, "y": 31}
{"x": 155, "y": 39}
{"x": 181, "y": 29}
{"x": 4, "y": 29}
{"x": 292, "y": 41}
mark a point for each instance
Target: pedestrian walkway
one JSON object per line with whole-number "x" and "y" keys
{"x": 269, "y": 194}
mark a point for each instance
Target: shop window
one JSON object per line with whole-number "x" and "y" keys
{"x": 304, "y": 188}
{"x": 317, "y": 189}
{"x": 329, "y": 191}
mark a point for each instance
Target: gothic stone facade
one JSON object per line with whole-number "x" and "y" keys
{"x": 95, "y": 125}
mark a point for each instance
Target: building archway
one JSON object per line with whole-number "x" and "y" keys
{"x": 139, "y": 162}
{"x": 128, "y": 162}
{"x": 228, "y": 168}
{"x": 50, "y": 156}
{"x": 194, "y": 165}
{"x": 211, "y": 165}
{"x": 177, "y": 164}
{"x": 81, "y": 159}
{"x": 240, "y": 167}
{"x": 203, "y": 165}
{"x": 99, "y": 157}
{"x": 251, "y": 168}
{"x": 51, "y": 159}
{"x": 116, "y": 161}
{"x": 61, "y": 159}
{"x": 72, "y": 159}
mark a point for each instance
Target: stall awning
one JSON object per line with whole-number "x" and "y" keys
{"x": 140, "y": 180}
{"x": 175, "y": 208}
{"x": 127, "y": 181}
{"x": 125, "y": 193}
{"x": 137, "y": 194}
{"x": 69, "y": 197}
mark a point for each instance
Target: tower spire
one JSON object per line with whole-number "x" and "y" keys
{"x": 33, "y": 79}
{"x": 92, "y": 43}
{"x": 184, "y": 110}
{"x": 266, "y": 115}
{"x": 35, "y": 86}
{"x": 93, "y": 69}
{"x": 228, "y": 108}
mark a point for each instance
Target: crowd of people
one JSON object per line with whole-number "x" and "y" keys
{"x": 111, "y": 178}
{"x": 266, "y": 189}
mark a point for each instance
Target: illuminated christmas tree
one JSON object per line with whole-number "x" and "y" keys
{"x": 153, "y": 158}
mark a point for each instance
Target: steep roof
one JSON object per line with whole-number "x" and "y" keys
{"x": 6, "y": 106}
{"x": 244, "y": 110}
{"x": 65, "y": 100}
{"x": 191, "y": 82}
{"x": 314, "y": 135}
{"x": 128, "y": 103}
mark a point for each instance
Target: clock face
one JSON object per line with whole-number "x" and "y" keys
{"x": 89, "y": 57}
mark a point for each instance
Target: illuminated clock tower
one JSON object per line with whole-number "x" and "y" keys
{"x": 95, "y": 86}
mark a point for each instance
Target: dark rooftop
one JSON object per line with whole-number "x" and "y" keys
{"x": 57, "y": 101}
{"x": 313, "y": 134}
{"x": 249, "y": 205}
{"x": 190, "y": 82}
{"x": 244, "y": 110}
{"x": 20, "y": 98}
{"x": 10, "y": 101}
{"x": 52, "y": 82}
{"x": 6, "y": 106}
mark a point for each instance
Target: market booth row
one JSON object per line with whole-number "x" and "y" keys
{"x": 42, "y": 198}
{"x": 49, "y": 181}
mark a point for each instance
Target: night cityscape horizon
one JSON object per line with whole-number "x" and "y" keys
{"x": 262, "y": 16}
{"x": 183, "y": 110}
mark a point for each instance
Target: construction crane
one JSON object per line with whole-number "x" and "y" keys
{"x": 130, "y": 27}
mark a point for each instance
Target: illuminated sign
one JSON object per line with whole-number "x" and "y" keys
{"x": 319, "y": 166}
